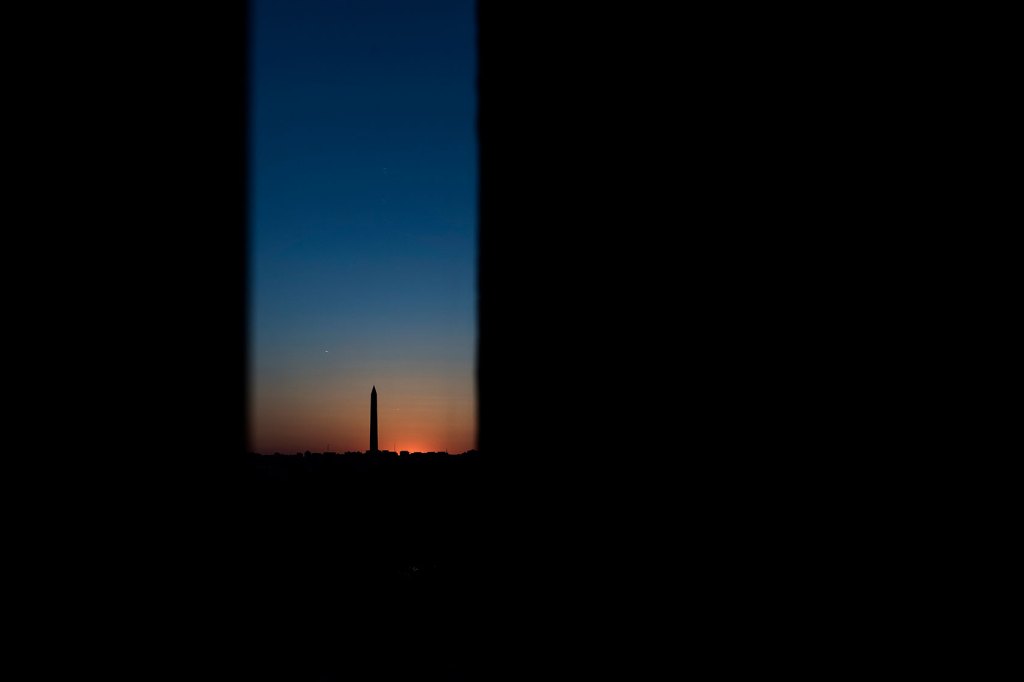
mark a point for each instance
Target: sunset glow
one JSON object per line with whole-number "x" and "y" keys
{"x": 363, "y": 225}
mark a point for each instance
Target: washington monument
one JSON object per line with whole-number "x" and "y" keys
{"x": 373, "y": 420}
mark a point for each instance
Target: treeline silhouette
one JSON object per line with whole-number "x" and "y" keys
{"x": 280, "y": 466}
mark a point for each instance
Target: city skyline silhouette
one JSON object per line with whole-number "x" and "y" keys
{"x": 408, "y": 446}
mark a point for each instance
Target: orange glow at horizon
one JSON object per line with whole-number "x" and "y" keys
{"x": 362, "y": 228}
{"x": 427, "y": 413}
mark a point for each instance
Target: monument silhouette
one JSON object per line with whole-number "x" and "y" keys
{"x": 373, "y": 420}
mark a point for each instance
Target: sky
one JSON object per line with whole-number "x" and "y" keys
{"x": 363, "y": 214}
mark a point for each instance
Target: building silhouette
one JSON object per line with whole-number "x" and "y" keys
{"x": 373, "y": 420}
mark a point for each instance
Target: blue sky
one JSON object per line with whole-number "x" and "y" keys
{"x": 362, "y": 223}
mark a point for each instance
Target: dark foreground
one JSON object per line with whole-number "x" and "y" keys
{"x": 366, "y": 567}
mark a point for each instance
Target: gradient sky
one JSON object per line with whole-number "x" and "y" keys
{"x": 363, "y": 224}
